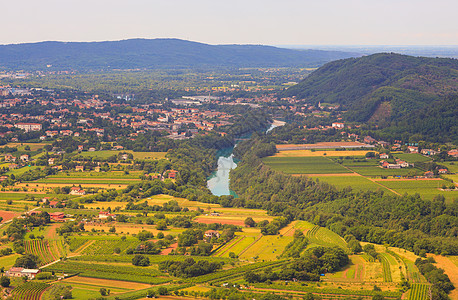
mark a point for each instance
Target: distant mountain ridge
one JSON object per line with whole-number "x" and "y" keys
{"x": 154, "y": 54}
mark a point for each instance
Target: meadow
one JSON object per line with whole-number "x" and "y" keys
{"x": 428, "y": 189}
{"x": 355, "y": 182}
{"x": 137, "y": 155}
{"x": 304, "y": 165}
{"x": 315, "y": 153}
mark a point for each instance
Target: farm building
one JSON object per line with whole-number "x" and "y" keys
{"x": 105, "y": 215}
{"x": 77, "y": 191}
{"x": 212, "y": 233}
{"x": 57, "y": 216}
{"x": 21, "y": 272}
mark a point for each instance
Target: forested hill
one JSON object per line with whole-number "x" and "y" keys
{"x": 382, "y": 87}
{"x": 155, "y": 53}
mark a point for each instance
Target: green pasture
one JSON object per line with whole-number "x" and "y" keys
{"x": 305, "y": 165}
{"x": 20, "y": 171}
{"x": 355, "y": 182}
{"x": 108, "y": 153}
{"x": 412, "y": 157}
{"x": 428, "y": 189}
{"x": 267, "y": 248}
{"x": 375, "y": 171}
{"x": 320, "y": 236}
{"x": 97, "y": 175}
{"x": 72, "y": 181}
{"x": 451, "y": 166}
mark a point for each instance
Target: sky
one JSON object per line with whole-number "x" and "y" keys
{"x": 268, "y": 22}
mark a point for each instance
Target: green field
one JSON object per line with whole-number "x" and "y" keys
{"x": 320, "y": 236}
{"x": 268, "y": 247}
{"x": 375, "y": 171}
{"x": 137, "y": 155}
{"x": 428, "y": 189}
{"x": 305, "y": 165}
{"x": 451, "y": 166}
{"x": 412, "y": 157}
{"x": 97, "y": 175}
{"x": 355, "y": 182}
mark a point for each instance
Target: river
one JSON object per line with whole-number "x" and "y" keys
{"x": 218, "y": 182}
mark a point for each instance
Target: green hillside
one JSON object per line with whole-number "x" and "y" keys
{"x": 392, "y": 90}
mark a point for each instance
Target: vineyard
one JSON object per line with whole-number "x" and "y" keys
{"x": 46, "y": 250}
{"x": 31, "y": 290}
{"x": 325, "y": 237}
{"x": 109, "y": 271}
{"x": 386, "y": 268}
{"x": 419, "y": 292}
{"x": 109, "y": 246}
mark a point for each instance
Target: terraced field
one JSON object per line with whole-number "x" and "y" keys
{"x": 319, "y": 236}
{"x": 419, "y": 292}
{"x": 31, "y": 290}
{"x": 46, "y": 250}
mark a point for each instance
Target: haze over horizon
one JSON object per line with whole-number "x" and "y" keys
{"x": 269, "y": 22}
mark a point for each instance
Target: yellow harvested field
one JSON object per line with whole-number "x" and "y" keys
{"x": 106, "y": 283}
{"x": 310, "y": 153}
{"x": 450, "y": 268}
{"x": 267, "y": 248}
{"x": 41, "y": 185}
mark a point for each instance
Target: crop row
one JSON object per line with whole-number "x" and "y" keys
{"x": 42, "y": 250}
{"x": 386, "y": 268}
{"x": 307, "y": 289}
{"x": 76, "y": 243}
{"x": 29, "y": 291}
{"x": 419, "y": 292}
{"x": 234, "y": 272}
{"x": 108, "y": 246}
{"x": 154, "y": 259}
{"x": 105, "y": 271}
{"x": 229, "y": 245}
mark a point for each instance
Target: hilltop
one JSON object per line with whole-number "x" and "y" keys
{"x": 155, "y": 54}
{"x": 390, "y": 90}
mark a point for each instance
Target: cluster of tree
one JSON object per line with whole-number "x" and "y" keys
{"x": 189, "y": 267}
{"x": 27, "y": 261}
{"x": 315, "y": 261}
{"x": 70, "y": 227}
{"x": 273, "y": 227}
{"x": 171, "y": 206}
{"x": 441, "y": 284}
{"x": 141, "y": 260}
{"x": 296, "y": 246}
{"x": 407, "y": 221}
{"x": 18, "y": 227}
{"x": 6, "y": 251}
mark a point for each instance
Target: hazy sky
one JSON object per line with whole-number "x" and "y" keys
{"x": 294, "y": 22}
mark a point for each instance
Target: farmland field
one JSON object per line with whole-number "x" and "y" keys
{"x": 412, "y": 157}
{"x": 356, "y": 182}
{"x": 8, "y": 261}
{"x": 324, "y": 237}
{"x": 268, "y": 247}
{"x": 329, "y": 153}
{"x": 375, "y": 171}
{"x": 137, "y": 155}
{"x": 419, "y": 292}
{"x": 304, "y": 165}
{"x": 428, "y": 189}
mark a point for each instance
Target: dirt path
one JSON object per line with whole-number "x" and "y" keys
{"x": 450, "y": 269}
